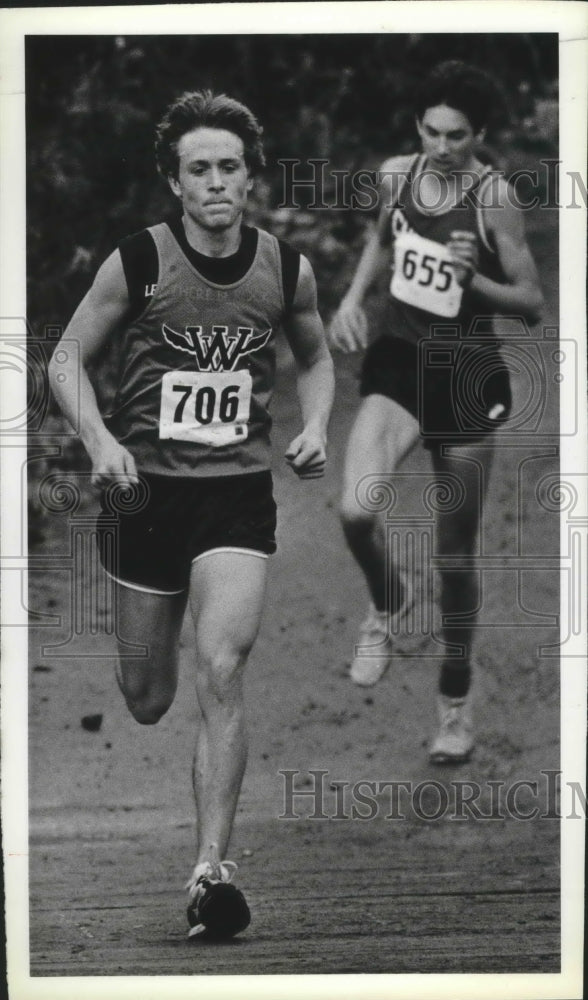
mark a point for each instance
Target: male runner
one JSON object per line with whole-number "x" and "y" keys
{"x": 195, "y": 304}
{"x": 459, "y": 256}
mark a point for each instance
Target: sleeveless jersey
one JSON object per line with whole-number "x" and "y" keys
{"x": 198, "y": 365}
{"x": 423, "y": 289}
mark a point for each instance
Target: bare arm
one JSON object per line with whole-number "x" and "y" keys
{"x": 348, "y": 329}
{"x": 93, "y": 323}
{"x": 374, "y": 256}
{"x": 315, "y": 380}
{"x": 521, "y": 294}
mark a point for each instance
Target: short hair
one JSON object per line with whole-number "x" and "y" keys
{"x": 464, "y": 88}
{"x": 203, "y": 109}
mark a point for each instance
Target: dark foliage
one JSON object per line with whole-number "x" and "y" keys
{"x": 93, "y": 102}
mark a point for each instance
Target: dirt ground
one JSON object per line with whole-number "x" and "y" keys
{"x": 112, "y": 818}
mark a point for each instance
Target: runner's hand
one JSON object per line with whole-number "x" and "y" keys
{"x": 111, "y": 462}
{"x": 348, "y": 330}
{"x": 464, "y": 249}
{"x": 307, "y": 456}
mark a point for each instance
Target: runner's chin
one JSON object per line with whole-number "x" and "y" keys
{"x": 440, "y": 166}
{"x": 220, "y": 215}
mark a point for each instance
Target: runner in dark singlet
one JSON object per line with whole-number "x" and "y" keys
{"x": 195, "y": 305}
{"x": 459, "y": 257}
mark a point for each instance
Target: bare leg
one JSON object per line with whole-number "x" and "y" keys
{"x": 154, "y": 621}
{"x": 382, "y": 435}
{"x": 226, "y": 596}
{"x": 457, "y": 533}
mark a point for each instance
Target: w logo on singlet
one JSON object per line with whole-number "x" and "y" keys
{"x": 219, "y": 350}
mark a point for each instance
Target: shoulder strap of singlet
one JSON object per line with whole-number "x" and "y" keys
{"x": 485, "y": 183}
{"x": 416, "y": 163}
{"x": 290, "y": 265}
{"x": 141, "y": 266}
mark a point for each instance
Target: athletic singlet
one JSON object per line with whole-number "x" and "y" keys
{"x": 198, "y": 364}
{"x": 423, "y": 290}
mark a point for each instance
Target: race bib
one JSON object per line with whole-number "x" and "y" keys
{"x": 423, "y": 275}
{"x": 210, "y": 408}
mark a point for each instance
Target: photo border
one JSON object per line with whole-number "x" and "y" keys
{"x": 569, "y": 19}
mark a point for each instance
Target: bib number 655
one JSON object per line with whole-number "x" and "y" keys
{"x": 431, "y": 270}
{"x": 423, "y": 275}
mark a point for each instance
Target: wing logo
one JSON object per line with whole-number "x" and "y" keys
{"x": 219, "y": 350}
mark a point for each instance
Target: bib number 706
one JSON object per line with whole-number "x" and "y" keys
{"x": 207, "y": 403}
{"x": 205, "y": 407}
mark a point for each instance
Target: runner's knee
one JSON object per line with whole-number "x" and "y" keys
{"x": 219, "y": 672}
{"x": 147, "y": 698}
{"x": 357, "y": 523}
{"x": 148, "y": 711}
{"x": 356, "y": 520}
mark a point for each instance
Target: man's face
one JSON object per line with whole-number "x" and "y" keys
{"x": 213, "y": 180}
{"x": 448, "y": 139}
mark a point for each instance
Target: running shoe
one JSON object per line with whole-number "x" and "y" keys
{"x": 455, "y": 739}
{"x": 217, "y": 909}
{"x": 375, "y": 644}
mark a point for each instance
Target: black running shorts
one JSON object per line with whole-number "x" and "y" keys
{"x": 458, "y": 391}
{"x": 148, "y": 537}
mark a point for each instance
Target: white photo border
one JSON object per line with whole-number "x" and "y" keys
{"x": 570, "y": 20}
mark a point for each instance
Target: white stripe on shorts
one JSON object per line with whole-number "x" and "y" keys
{"x": 143, "y": 589}
{"x": 228, "y": 548}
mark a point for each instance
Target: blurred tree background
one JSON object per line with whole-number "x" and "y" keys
{"x": 93, "y": 103}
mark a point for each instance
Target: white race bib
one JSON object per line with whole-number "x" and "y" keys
{"x": 210, "y": 408}
{"x": 423, "y": 275}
